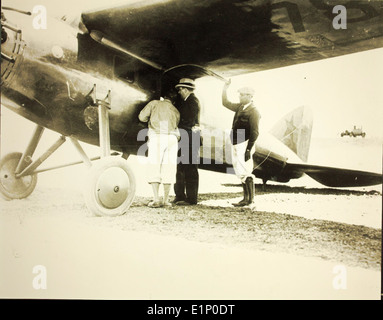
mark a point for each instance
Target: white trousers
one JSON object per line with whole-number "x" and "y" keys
{"x": 242, "y": 168}
{"x": 162, "y": 158}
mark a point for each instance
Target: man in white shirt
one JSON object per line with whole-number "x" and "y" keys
{"x": 163, "y": 119}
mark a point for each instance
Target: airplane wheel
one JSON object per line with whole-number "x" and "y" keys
{"x": 10, "y": 186}
{"x": 110, "y": 187}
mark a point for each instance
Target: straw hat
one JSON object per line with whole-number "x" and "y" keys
{"x": 186, "y": 83}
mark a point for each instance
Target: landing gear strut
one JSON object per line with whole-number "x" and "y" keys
{"x": 110, "y": 184}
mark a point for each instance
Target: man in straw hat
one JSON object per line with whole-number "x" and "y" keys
{"x": 245, "y": 131}
{"x": 187, "y": 177}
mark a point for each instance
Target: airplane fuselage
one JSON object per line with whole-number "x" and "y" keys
{"x": 49, "y": 84}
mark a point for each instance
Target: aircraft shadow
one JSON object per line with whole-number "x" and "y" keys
{"x": 261, "y": 189}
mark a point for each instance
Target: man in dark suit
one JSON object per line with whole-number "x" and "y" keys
{"x": 187, "y": 177}
{"x": 245, "y": 131}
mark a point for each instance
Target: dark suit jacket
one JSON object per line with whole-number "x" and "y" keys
{"x": 245, "y": 123}
{"x": 189, "y": 112}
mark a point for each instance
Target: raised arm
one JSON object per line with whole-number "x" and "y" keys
{"x": 225, "y": 102}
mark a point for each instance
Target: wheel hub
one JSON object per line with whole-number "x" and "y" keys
{"x": 112, "y": 187}
{"x": 13, "y": 187}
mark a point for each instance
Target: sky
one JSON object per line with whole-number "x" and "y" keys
{"x": 342, "y": 92}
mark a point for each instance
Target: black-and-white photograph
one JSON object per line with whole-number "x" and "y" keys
{"x": 163, "y": 150}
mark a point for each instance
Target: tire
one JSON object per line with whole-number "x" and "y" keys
{"x": 12, "y": 187}
{"x": 110, "y": 187}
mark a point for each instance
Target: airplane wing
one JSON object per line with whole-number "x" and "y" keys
{"x": 336, "y": 177}
{"x": 234, "y": 37}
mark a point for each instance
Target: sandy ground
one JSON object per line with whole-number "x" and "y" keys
{"x": 298, "y": 243}
{"x": 181, "y": 253}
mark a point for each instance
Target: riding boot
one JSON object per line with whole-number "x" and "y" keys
{"x": 251, "y": 190}
{"x": 245, "y": 199}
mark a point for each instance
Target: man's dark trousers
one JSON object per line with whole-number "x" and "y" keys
{"x": 187, "y": 176}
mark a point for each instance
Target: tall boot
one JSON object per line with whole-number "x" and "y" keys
{"x": 245, "y": 199}
{"x": 251, "y": 190}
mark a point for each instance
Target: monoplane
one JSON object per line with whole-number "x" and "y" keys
{"x": 87, "y": 77}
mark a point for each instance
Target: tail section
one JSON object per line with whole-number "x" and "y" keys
{"x": 294, "y": 130}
